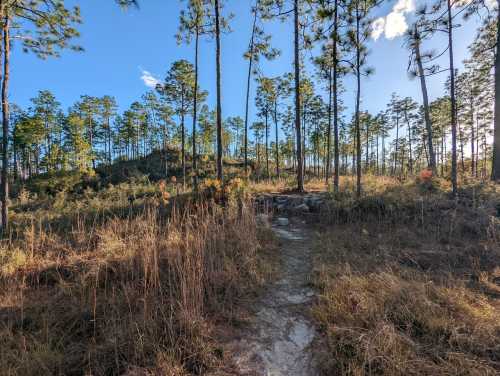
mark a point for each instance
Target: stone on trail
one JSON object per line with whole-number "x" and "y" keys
{"x": 302, "y": 208}
{"x": 283, "y": 221}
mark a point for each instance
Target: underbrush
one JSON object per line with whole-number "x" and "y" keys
{"x": 138, "y": 293}
{"x": 409, "y": 284}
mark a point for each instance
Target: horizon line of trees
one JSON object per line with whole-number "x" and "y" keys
{"x": 90, "y": 132}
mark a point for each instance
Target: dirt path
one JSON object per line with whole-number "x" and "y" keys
{"x": 278, "y": 341}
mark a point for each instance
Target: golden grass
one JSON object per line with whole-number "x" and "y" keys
{"x": 133, "y": 294}
{"x": 347, "y": 184}
{"x": 409, "y": 292}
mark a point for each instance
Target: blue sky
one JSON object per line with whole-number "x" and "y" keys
{"x": 121, "y": 45}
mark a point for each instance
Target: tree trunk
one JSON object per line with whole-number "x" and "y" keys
{"x": 195, "y": 107}
{"x": 183, "y": 141}
{"x": 427, "y": 116}
{"x": 304, "y": 139}
{"x": 425, "y": 149}
{"x": 267, "y": 143}
{"x": 461, "y": 139}
{"x": 329, "y": 128}
{"x": 410, "y": 156}
{"x": 383, "y": 154}
{"x": 367, "y": 158}
{"x": 472, "y": 135}
{"x": 110, "y": 157}
{"x": 219, "y": 105}
{"x": 335, "y": 104}
{"x": 277, "y": 139}
{"x": 477, "y": 145}
{"x": 358, "y": 98}
{"x": 300, "y": 175}
{"x": 453, "y": 105}
{"x": 495, "y": 171}
{"x": 249, "y": 75}
{"x": 5, "y": 127}
{"x": 394, "y": 168}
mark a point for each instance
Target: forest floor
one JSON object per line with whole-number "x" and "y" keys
{"x": 140, "y": 278}
{"x": 403, "y": 281}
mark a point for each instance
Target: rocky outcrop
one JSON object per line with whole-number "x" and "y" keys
{"x": 291, "y": 204}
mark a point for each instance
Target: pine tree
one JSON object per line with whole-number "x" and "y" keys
{"x": 178, "y": 90}
{"x": 358, "y": 34}
{"x": 331, "y": 12}
{"x": 45, "y": 27}
{"x": 107, "y": 111}
{"x": 259, "y": 46}
{"x": 194, "y": 22}
{"x": 417, "y": 60}
{"x": 46, "y": 107}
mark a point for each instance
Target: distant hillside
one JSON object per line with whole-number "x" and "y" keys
{"x": 151, "y": 167}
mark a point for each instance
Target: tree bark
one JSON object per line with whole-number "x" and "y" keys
{"x": 472, "y": 135}
{"x": 267, "y": 142}
{"x": 410, "y": 156}
{"x": 183, "y": 142}
{"x": 367, "y": 157}
{"x": 495, "y": 171}
{"x": 427, "y": 116}
{"x": 394, "y": 168}
{"x": 335, "y": 104}
{"x": 300, "y": 175}
{"x": 249, "y": 75}
{"x": 5, "y": 126}
{"x": 277, "y": 138}
{"x": 218, "y": 78}
{"x": 358, "y": 98}
{"x": 453, "y": 105}
{"x": 195, "y": 105}
{"x": 329, "y": 128}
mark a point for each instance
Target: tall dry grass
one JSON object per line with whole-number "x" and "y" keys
{"x": 409, "y": 284}
{"x": 129, "y": 295}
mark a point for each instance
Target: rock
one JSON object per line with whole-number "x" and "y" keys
{"x": 315, "y": 203}
{"x": 283, "y": 221}
{"x": 293, "y": 202}
{"x": 302, "y": 208}
{"x": 281, "y": 199}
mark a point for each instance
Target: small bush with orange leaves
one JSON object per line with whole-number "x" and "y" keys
{"x": 426, "y": 174}
{"x": 223, "y": 192}
{"x": 164, "y": 193}
{"x": 427, "y": 182}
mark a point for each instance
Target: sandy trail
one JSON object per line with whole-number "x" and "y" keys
{"x": 278, "y": 340}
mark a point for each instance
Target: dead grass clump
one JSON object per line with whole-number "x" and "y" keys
{"x": 142, "y": 299}
{"x": 383, "y": 324}
{"x": 398, "y": 298}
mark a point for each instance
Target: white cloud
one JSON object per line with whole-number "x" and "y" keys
{"x": 394, "y": 24}
{"x": 378, "y": 27}
{"x": 148, "y": 79}
{"x": 491, "y": 4}
{"x": 404, "y": 6}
